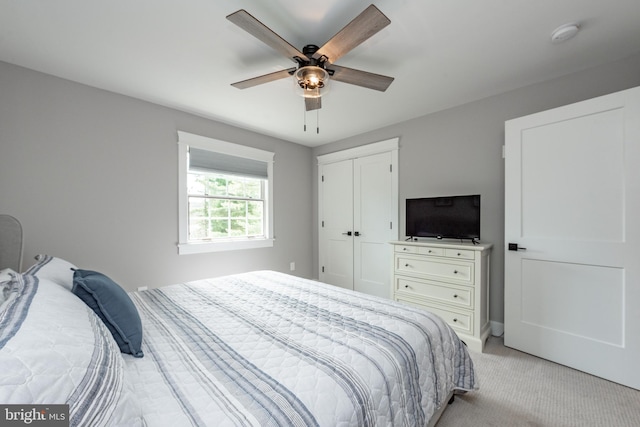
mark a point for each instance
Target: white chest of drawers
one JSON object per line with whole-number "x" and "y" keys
{"x": 450, "y": 280}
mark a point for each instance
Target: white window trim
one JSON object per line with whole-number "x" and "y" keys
{"x": 186, "y": 140}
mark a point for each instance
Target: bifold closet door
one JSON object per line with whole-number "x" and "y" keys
{"x": 336, "y": 231}
{"x": 373, "y": 221}
{"x": 358, "y": 211}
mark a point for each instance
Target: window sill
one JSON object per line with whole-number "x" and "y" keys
{"x": 199, "y": 248}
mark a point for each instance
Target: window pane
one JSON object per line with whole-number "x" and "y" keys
{"x": 198, "y": 229}
{"x": 255, "y": 227}
{"x": 197, "y": 218}
{"x": 236, "y": 187}
{"x": 254, "y": 209}
{"x": 238, "y": 208}
{"x": 211, "y": 219}
{"x": 253, "y": 189}
{"x": 224, "y": 206}
{"x": 216, "y": 185}
{"x": 238, "y": 227}
{"x": 218, "y": 208}
{"x": 219, "y": 228}
{"x": 195, "y": 184}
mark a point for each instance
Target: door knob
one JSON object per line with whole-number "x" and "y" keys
{"x": 515, "y": 247}
{"x": 348, "y": 233}
{"x": 357, "y": 233}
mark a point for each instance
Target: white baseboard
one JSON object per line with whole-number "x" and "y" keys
{"x": 497, "y": 328}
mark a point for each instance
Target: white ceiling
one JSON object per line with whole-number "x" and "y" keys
{"x": 184, "y": 54}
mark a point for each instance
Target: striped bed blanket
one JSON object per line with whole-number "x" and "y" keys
{"x": 270, "y": 349}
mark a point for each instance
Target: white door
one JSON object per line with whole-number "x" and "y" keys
{"x": 572, "y": 205}
{"x": 358, "y": 211}
{"x": 336, "y": 226}
{"x": 373, "y": 224}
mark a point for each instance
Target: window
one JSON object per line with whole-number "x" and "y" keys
{"x": 224, "y": 206}
{"x": 225, "y": 195}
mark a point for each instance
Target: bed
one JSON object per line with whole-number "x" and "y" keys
{"x": 261, "y": 349}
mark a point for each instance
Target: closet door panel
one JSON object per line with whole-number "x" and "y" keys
{"x": 336, "y": 231}
{"x": 373, "y": 219}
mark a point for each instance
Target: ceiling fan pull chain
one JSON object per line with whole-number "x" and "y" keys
{"x": 305, "y": 120}
{"x": 318, "y": 121}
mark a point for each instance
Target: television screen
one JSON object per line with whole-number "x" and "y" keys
{"x": 456, "y": 217}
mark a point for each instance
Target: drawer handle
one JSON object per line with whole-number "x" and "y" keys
{"x": 459, "y": 254}
{"x": 406, "y": 286}
{"x": 455, "y": 319}
{"x": 406, "y": 265}
{"x": 455, "y": 271}
{"x": 430, "y": 251}
{"x": 404, "y": 249}
{"x": 455, "y": 295}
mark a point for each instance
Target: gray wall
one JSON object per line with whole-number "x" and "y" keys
{"x": 459, "y": 151}
{"x": 92, "y": 176}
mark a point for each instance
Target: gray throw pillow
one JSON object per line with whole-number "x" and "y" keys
{"x": 114, "y": 307}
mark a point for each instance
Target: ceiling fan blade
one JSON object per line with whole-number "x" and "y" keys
{"x": 250, "y": 24}
{"x": 255, "y": 81}
{"x": 365, "y": 25}
{"x": 313, "y": 103}
{"x": 360, "y": 78}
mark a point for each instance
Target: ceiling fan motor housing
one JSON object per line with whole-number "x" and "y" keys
{"x": 309, "y": 50}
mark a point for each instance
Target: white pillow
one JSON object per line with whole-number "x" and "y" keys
{"x": 55, "y": 269}
{"x": 6, "y": 285}
{"x": 55, "y": 350}
{"x": 6, "y": 274}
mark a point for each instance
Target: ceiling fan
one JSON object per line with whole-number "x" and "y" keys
{"x": 316, "y": 65}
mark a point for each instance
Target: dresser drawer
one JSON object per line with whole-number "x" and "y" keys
{"x": 433, "y": 251}
{"x": 441, "y": 269}
{"x": 460, "y": 321}
{"x": 406, "y": 249}
{"x": 421, "y": 250}
{"x": 459, "y": 296}
{"x": 460, "y": 254}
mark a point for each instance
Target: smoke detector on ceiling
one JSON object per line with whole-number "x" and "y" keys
{"x": 564, "y": 32}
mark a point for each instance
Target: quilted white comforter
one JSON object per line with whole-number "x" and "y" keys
{"x": 268, "y": 349}
{"x": 55, "y": 350}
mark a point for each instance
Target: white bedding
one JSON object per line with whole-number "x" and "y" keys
{"x": 54, "y": 350}
{"x": 266, "y": 348}
{"x": 256, "y": 349}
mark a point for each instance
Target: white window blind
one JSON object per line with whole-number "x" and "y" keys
{"x": 210, "y": 161}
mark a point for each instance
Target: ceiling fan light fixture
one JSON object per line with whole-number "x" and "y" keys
{"x": 312, "y": 81}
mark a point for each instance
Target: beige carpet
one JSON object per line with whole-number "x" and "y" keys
{"x": 517, "y": 389}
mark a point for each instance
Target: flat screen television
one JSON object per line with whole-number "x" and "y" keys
{"x": 455, "y": 217}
